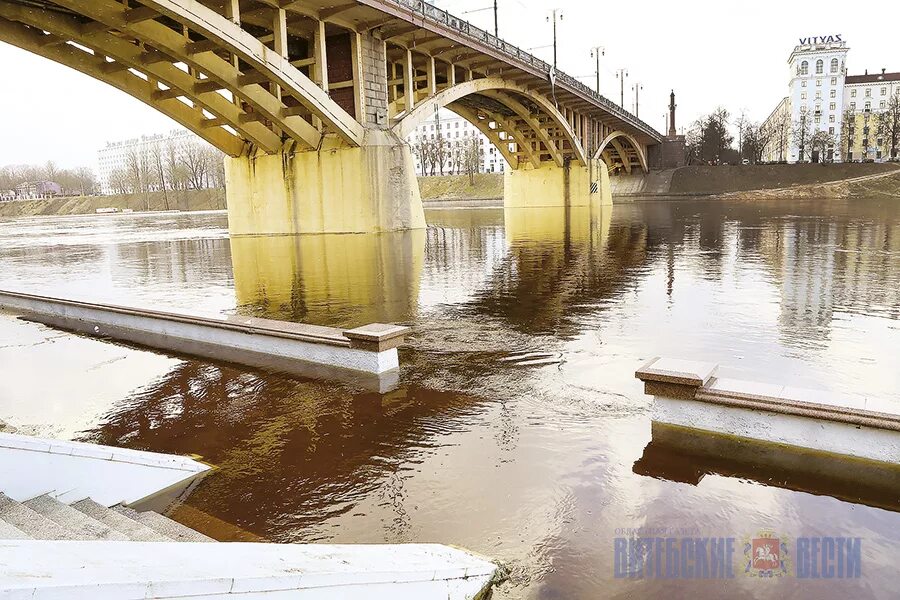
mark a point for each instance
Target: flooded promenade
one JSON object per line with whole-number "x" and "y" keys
{"x": 517, "y": 424}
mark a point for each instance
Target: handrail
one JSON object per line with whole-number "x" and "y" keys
{"x": 443, "y": 17}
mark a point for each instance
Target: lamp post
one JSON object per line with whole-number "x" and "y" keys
{"x": 556, "y": 12}
{"x": 597, "y": 52}
{"x": 494, "y": 8}
{"x": 621, "y": 75}
{"x": 637, "y": 87}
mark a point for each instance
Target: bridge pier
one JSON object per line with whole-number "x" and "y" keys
{"x": 550, "y": 185}
{"x": 336, "y": 189}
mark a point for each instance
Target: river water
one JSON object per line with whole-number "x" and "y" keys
{"x": 517, "y": 429}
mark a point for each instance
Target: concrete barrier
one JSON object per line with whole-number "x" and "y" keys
{"x": 687, "y": 394}
{"x": 370, "y": 349}
{"x": 139, "y": 570}
{"x": 71, "y": 471}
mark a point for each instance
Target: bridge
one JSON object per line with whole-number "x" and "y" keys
{"x": 312, "y": 100}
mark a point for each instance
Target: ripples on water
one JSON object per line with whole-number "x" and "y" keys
{"x": 518, "y": 429}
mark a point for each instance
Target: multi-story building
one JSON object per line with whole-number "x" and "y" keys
{"x": 449, "y": 133}
{"x": 828, "y": 115}
{"x": 115, "y": 155}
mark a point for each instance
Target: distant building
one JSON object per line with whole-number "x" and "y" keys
{"x": 454, "y": 131}
{"x": 114, "y": 156}
{"x": 823, "y": 99}
{"x": 37, "y": 189}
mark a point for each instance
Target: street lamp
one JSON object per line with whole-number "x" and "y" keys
{"x": 637, "y": 87}
{"x": 621, "y": 75}
{"x": 556, "y": 12}
{"x": 597, "y": 52}
{"x": 494, "y": 8}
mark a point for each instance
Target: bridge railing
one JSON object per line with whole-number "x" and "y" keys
{"x": 441, "y": 16}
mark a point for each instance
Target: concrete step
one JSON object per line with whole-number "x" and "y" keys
{"x": 75, "y": 521}
{"x": 31, "y": 523}
{"x": 133, "y": 530}
{"x": 8, "y": 532}
{"x": 164, "y": 525}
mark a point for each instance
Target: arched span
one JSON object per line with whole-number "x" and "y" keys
{"x": 132, "y": 49}
{"x": 503, "y": 92}
{"x": 615, "y": 139}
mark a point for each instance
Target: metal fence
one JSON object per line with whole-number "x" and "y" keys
{"x": 441, "y": 16}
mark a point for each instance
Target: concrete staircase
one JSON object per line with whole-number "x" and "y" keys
{"x": 46, "y": 518}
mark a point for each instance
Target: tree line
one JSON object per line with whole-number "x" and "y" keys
{"x": 441, "y": 156}
{"x": 81, "y": 181}
{"x": 711, "y": 140}
{"x": 169, "y": 165}
{"x": 163, "y": 166}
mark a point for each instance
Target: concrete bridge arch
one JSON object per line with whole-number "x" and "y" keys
{"x": 507, "y": 113}
{"x": 620, "y": 148}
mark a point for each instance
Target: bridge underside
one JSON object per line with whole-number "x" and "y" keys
{"x": 313, "y": 100}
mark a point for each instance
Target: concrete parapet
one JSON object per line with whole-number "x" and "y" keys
{"x": 687, "y": 394}
{"x": 370, "y": 349}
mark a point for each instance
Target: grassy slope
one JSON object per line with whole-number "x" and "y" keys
{"x": 457, "y": 187}
{"x": 182, "y": 200}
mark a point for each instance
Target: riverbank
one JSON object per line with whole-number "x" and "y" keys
{"x": 443, "y": 191}
{"x": 183, "y": 200}
{"x": 882, "y": 185}
{"x": 456, "y": 191}
{"x": 697, "y": 181}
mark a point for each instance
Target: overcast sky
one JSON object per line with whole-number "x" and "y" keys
{"x": 713, "y": 53}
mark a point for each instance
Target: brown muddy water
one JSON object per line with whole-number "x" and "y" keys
{"x": 518, "y": 430}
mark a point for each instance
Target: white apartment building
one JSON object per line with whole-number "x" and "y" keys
{"x": 114, "y": 155}
{"x": 454, "y": 131}
{"x": 822, "y": 97}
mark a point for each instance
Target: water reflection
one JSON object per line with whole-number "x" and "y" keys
{"x": 289, "y": 453}
{"x": 330, "y": 279}
{"x": 684, "y": 455}
{"x": 517, "y": 429}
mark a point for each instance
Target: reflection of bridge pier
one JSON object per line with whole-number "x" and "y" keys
{"x": 330, "y": 279}
{"x": 313, "y": 103}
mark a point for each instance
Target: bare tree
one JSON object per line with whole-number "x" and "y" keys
{"x": 802, "y": 131}
{"x": 139, "y": 172}
{"x": 471, "y": 157}
{"x": 820, "y": 142}
{"x": 86, "y": 180}
{"x": 157, "y": 159}
{"x": 888, "y": 126}
{"x": 756, "y": 139}
{"x": 848, "y": 129}
{"x": 422, "y": 153}
{"x": 194, "y": 158}
{"x": 779, "y": 134}
{"x": 50, "y": 172}
{"x": 119, "y": 182}
{"x": 742, "y": 123}
{"x": 440, "y": 152}
{"x": 175, "y": 172}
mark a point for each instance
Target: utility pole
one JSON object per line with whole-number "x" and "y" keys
{"x": 556, "y": 12}
{"x": 621, "y": 75}
{"x": 597, "y": 52}
{"x": 494, "y": 8}
{"x": 496, "y": 29}
{"x": 637, "y": 98}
